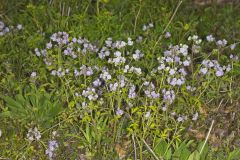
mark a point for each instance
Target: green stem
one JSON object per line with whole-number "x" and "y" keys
{"x": 97, "y": 6}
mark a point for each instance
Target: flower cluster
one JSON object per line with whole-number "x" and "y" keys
{"x": 5, "y": 29}
{"x": 33, "y": 134}
{"x": 52, "y": 146}
{"x": 174, "y": 63}
{"x": 117, "y": 70}
{"x": 147, "y": 26}
{"x": 213, "y": 64}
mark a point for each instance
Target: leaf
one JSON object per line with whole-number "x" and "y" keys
{"x": 194, "y": 156}
{"x": 234, "y": 155}
{"x": 161, "y": 147}
{"x": 204, "y": 151}
{"x": 168, "y": 155}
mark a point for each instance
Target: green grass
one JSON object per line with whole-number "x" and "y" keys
{"x": 144, "y": 131}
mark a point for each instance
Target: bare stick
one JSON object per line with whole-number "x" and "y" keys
{"x": 210, "y": 129}
{"x": 135, "y": 150}
{"x": 169, "y": 22}
{"x": 135, "y": 23}
{"x": 148, "y": 147}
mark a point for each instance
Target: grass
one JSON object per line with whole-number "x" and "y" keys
{"x": 181, "y": 124}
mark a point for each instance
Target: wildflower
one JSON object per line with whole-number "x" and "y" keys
{"x": 136, "y": 70}
{"x": 130, "y": 42}
{"x": 33, "y": 134}
{"x": 60, "y": 38}
{"x": 167, "y": 35}
{"x": 154, "y": 95}
{"x": 108, "y": 42}
{"x": 180, "y": 119}
{"x": 184, "y": 50}
{"x": 161, "y": 67}
{"x": 117, "y": 54}
{"x": 195, "y": 116}
{"x": 172, "y": 71}
{"x": 37, "y": 52}
{"x": 52, "y": 146}
{"x": 105, "y": 76}
{"x": 180, "y": 81}
{"x": 6, "y": 30}
{"x": 172, "y": 81}
{"x": 33, "y": 74}
{"x": 84, "y": 104}
{"x": 219, "y": 73}
{"x": 90, "y": 93}
{"x": 164, "y": 108}
{"x": 119, "y": 112}
{"x": 113, "y": 87}
{"x": 2, "y": 25}
{"x": 186, "y": 63}
{"x": 119, "y": 44}
{"x": 54, "y": 134}
{"x": 221, "y": 43}
{"x": 19, "y": 27}
{"x": 97, "y": 83}
{"x": 54, "y": 72}
{"x": 117, "y": 61}
{"x": 190, "y": 88}
{"x": 182, "y": 71}
{"x": 139, "y": 39}
{"x": 203, "y": 70}
{"x": 144, "y": 28}
{"x": 168, "y": 95}
{"x": 151, "y": 25}
{"x": 196, "y": 49}
{"x": 147, "y": 115}
{"x": 49, "y": 45}
{"x": 210, "y": 38}
{"x": 87, "y": 71}
{"x": 122, "y": 81}
{"x": 132, "y": 93}
{"x": 137, "y": 55}
{"x": 233, "y": 46}
{"x": 126, "y": 69}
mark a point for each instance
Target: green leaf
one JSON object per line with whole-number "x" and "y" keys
{"x": 204, "y": 151}
{"x": 161, "y": 147}
{"x": 234, "y": 155}
{"x": 194, "y": 156}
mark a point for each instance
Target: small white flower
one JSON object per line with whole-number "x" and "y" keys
{"x": 180, "y": 119}
{"x": 147, "y": 115}
{"x": 19, "y": 27}
{"x": 151, "y": 25}
{"x": 49, "y": 45}
{"x": 167, "y": 35}
{"x": 221, "y": 43}
{"x": 172, "y": 71}
{"x": 119, "y": 112}
{"x": 219, "y": 73}
{"x": 210, "y": 38}
{"x": 186, "y": 63}
{"x": 233, "y": 46}
{"x": 195, "y": 116}
{"x": 33, "y": 74}
{"x": 144, "y": 28}
{"x": 203, "y": 70}
{"x": 130, "y": 42}
{"x": 117, "y": 54}
{"x": 33, "y": 134}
